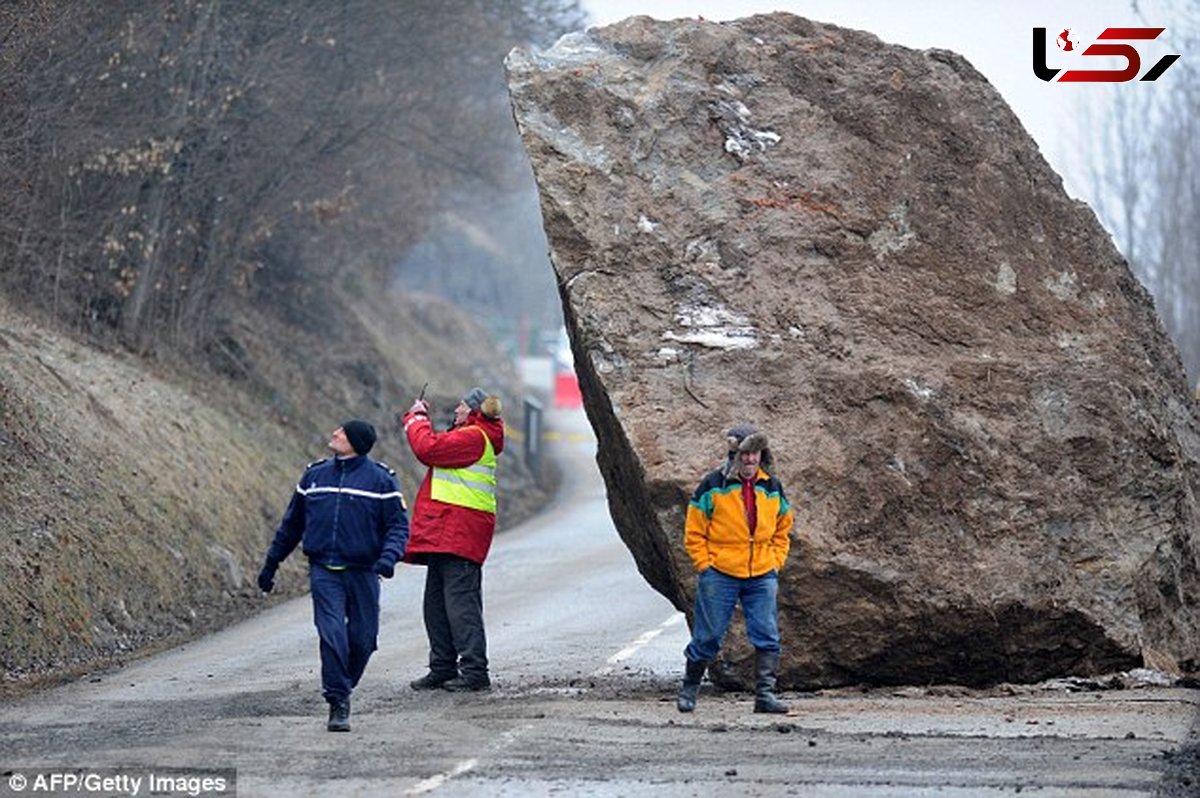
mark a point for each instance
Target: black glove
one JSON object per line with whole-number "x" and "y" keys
{"x": 266, "y": 577}
{"x": 385, "y": 569}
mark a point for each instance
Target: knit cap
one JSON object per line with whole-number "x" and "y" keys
{"x": 360, "y": 434}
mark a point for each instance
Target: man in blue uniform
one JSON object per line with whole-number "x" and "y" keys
{"x": 350, "y": 518}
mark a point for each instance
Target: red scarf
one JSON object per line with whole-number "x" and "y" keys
{"x": 751, "y": 505}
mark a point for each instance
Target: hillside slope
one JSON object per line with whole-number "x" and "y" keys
{"x": 138, "y": 498}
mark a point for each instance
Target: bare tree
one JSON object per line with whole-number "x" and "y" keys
{"x": 177, "y": 164}
{"x": 1145, "y": 175}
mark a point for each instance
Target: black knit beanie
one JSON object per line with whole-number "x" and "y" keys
{"x": 360, "y": 434}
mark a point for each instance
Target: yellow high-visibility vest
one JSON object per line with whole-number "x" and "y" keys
{"x": 473, "y": 486}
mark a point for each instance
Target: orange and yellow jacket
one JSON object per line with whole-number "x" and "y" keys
{"x": 718, "y": 535}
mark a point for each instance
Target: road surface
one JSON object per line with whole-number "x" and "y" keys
{"x": 585, "y": 659}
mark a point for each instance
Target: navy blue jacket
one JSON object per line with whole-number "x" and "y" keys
{"x": 348, "y": 512}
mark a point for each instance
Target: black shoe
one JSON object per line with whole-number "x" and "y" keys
{"x": 769, "y": 704}
{"x": 468, "y": 684}
{"x": 339, "y": 717}
{"x": 432, "y": 681}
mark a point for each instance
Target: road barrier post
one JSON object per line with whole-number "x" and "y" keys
{"x": 533, "y": 435}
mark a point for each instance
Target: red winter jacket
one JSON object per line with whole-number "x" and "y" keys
{"x": 436, "y": 527}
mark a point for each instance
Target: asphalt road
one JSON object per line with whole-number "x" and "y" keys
{"x": 585, "y": 660}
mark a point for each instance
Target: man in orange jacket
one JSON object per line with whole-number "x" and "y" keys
{"x": 453, "y": 522}
{"x": 737, "y": 536}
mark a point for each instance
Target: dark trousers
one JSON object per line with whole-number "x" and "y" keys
{"x": 454, "y": 616}
{"x": 346, "y": 612}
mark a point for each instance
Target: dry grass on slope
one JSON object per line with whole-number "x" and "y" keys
{"x": 135, "y": 505}
{"x": 132, "y": 509}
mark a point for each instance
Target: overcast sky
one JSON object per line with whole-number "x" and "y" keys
{"x": 994, "y": 35}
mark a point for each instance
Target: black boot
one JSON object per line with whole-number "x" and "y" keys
{"x": 692, "y": 674}
{"x": 432, "y": 680}
{"x": 765, "y": 700}
{"x": 339, "y": 716}
{"x": 468, "y": 684}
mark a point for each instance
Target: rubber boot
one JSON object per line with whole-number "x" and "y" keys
{"x": 692, "y": 674}
{"x": 765, "y": 700}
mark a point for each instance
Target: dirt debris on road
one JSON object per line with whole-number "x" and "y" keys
{"x": 619, "y": 734}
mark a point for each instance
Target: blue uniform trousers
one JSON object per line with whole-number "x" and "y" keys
{"x": 346, "y": 612}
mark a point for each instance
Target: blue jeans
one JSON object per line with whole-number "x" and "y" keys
{"x": 716, "y": 597}
{"x": 346, "y": 613}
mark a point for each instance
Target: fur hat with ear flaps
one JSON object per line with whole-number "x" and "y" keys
{"x": 745, "y": 438}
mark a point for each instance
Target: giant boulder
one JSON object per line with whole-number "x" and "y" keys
{"x": 975, "y": 411}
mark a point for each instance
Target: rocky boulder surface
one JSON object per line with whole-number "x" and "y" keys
{"x": 984, "y": 430}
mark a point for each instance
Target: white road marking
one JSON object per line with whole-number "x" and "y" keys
{"x": 637, "y": 645}
{"x": 433, "y": 782}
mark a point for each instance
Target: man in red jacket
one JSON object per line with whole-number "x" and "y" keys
{"x": 453, "y": 521}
